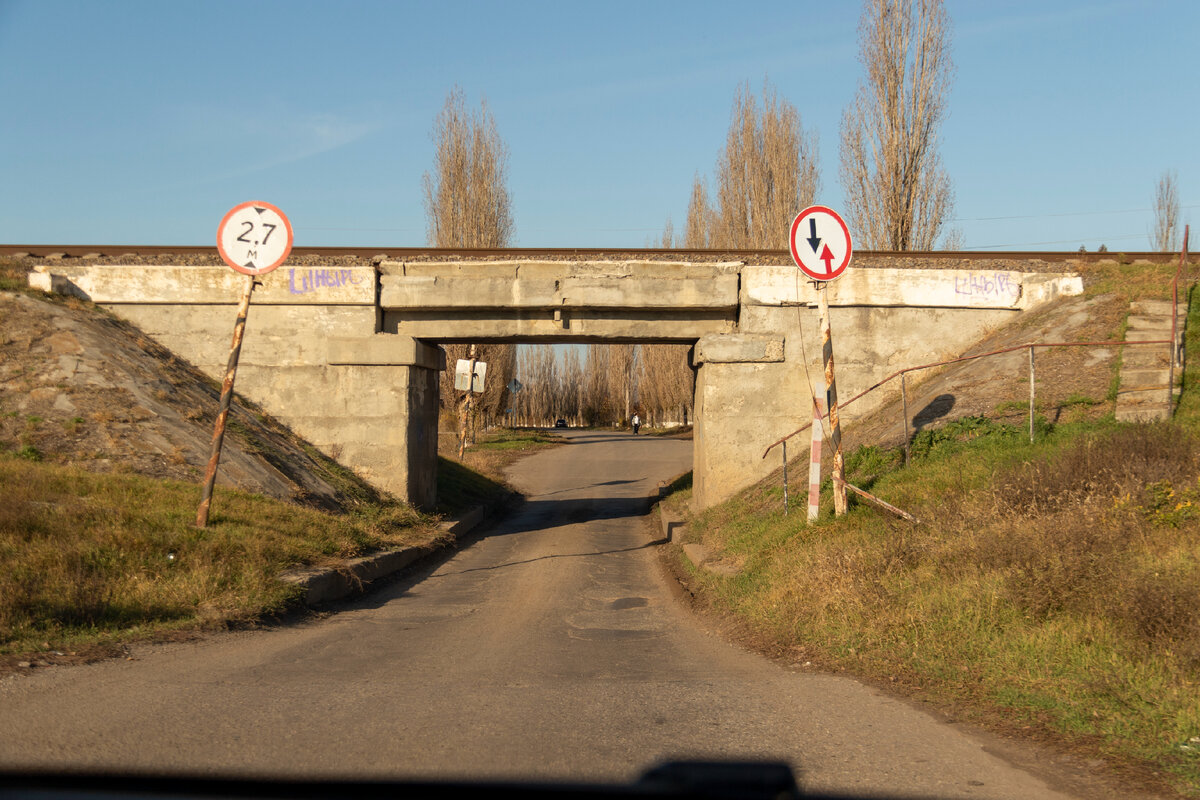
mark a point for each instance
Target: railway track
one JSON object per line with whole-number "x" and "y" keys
{"x": 402, "y": 253}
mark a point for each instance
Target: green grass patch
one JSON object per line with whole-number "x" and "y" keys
{"x": 516, "y": 439}
{"x": 88, "y": 558}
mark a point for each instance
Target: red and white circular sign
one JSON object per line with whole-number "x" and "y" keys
{"x": 820, "y": 243}
{"x": 254, "y": 238}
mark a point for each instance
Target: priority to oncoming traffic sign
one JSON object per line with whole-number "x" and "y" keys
{"x": 820, "y": 243}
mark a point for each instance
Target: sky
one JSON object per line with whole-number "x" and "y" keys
{"x": 142, "y": 123}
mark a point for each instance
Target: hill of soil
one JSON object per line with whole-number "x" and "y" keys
{"x": 81, "y": 387}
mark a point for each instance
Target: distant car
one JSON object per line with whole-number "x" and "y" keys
{"x": 562, "y": 423}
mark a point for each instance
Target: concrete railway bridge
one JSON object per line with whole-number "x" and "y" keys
{"x": 349, "y": 356}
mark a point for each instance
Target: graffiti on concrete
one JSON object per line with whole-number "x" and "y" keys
{"x": 304, "y": 281}
{"x": 997, "y": 284}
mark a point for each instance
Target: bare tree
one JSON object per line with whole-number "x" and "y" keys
{"x": 598, "y": 409}
{"x": 1166, "y": 213}
{"x": 766, "y": 173}
{"x": 466, "y": 198}
{"x": 699, "y": 218}
{"x": 467, "y": 205}
{"x": 665, "y": 384}
{"x": 897, "y": 195}
{"x": 622, "y": 380}
{"x": 668, "y": 235}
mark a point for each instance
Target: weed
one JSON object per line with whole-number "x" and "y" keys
{"x": 29, "y": 453}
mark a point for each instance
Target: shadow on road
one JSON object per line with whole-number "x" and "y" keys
{"x": 614, "y": 551}
{"x": 531, "y": 515}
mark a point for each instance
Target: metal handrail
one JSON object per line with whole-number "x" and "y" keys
{"x": 1173, "y": 341}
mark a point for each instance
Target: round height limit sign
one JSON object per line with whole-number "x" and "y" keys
{"x": 254, "y": 238}
{"x": 820, "y": 243}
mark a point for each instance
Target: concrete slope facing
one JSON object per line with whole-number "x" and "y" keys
{"x": 1069, "y": 382}
{"x": 81, "y": 387}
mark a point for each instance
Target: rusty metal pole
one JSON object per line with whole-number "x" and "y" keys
{"x": 1031, "y": 393}
{"x": 835, "y": 428}
{"x": 235, "y": 349}
{"x": 904, "y": 403}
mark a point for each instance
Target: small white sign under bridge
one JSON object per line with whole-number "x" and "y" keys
{"x": 462, "y": 379}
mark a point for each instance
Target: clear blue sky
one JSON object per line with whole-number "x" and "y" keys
{"x": 143, "y": 122}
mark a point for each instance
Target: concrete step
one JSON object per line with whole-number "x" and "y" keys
{"x": 1143, "y": 412}
{"x": 1143, "y": 322}
{"x": 1136, "y": 395}
{"x": 1146, "y": 356}
{"x": 1134, "y": 377}
{"x": 1148, "y": 334}
{"x": 1160, "y": 308}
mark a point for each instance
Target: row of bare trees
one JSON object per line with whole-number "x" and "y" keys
{"x": 467, "y": 204}
{"x": 606, "y": 385}
{"x": 897, "y": 195}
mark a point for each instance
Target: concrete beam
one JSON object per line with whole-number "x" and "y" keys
{"x": 562, "y": 325}
{"x": 558, "y": 285}
{"x": 206, "y": 285}
{"x": 385, "y": 349}
{"x": 917, "y": 288}
{"x": 739, "y": 348}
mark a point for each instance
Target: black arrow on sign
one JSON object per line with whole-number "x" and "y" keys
{"x": 259, "y": 210}
{"x": 814, "y": 241}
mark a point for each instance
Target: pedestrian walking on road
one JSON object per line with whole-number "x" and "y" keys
{"x": 637, "y": 423}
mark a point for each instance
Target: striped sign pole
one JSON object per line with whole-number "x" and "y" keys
{"x": 814, "y": 464}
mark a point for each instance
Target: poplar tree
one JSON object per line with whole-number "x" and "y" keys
{"x": 467, "y": 204}
{"x": 897, "y": 195}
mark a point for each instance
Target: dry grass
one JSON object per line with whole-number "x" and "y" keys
{"x": 87, "y": 557}
{"x": 1056, "y": 590}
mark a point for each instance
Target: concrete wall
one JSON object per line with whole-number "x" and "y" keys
{"x": 881, "y": 321}
{"x": 563, "y": 301}
{"x": 348, "y": 356}
{"x": 311, "y": 357}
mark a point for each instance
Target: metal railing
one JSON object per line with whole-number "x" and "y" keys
{"x": 1175, "y": 348}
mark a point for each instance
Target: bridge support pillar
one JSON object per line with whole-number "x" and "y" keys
{"x": 743, "y": 391}
{"x": 383, "y": 412}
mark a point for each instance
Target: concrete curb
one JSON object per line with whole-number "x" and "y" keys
{"x": 355, "y": 576}
{"x": 671, "y": 523}
{"x": 699, "y": 555}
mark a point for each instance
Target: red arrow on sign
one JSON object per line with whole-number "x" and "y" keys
{"x": 827, "y": 257}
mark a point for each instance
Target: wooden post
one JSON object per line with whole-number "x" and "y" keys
{"x": 235, "y": 349}
{"x": 835, "y": 436}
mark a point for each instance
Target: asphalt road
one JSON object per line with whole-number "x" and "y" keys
{"x": 550, "y": 646}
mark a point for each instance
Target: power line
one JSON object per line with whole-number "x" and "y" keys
{"x": 1068, "y": 214}
{"x": 1061, "y": 241}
